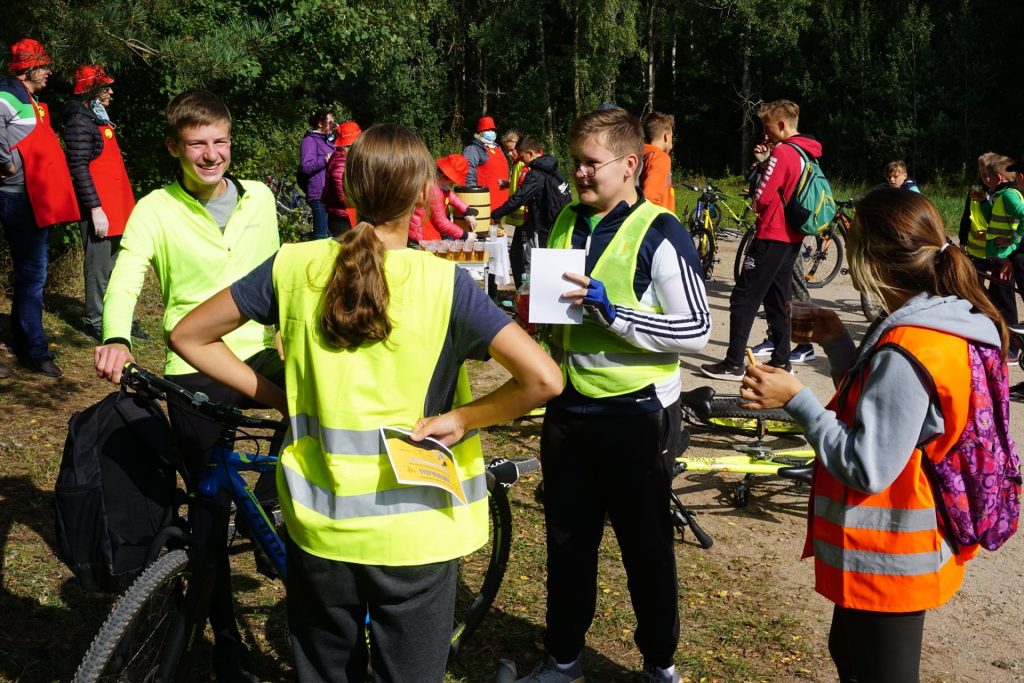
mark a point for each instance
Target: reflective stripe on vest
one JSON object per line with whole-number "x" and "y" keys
{"x": 1000, "y": 223}
{"x": 976, "y": 234}
{"x": 514, "y": 181}
{"x": 597, "y": 361}
{"x": 339, "y": 495}
{"x": 885, "y": 552}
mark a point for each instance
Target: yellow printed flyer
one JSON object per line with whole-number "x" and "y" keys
{"x": 422, "y": 463}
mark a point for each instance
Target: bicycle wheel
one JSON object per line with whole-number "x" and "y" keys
{"x": 704, "y": 242}
{"x": 870, "y": 307}
{"x": 481, "y": 572}
{"x": 129, "y": 645}
{"x": 823, "y": 257}
{"x": 725, "y": 416}
{"x": 741, "y": 253}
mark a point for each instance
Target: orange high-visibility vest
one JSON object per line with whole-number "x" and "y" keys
{"x": 885, "y": 552}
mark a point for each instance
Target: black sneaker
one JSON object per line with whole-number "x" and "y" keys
{"x": 44, "y": 366}
{"x": 1017, "y": 392}
{"x": 788, "y": 367}
{"x": 723, "y": 370}
{"x": 138, "y": 332}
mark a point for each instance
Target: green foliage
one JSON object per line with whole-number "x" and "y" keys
{"x": 917, "y": 80}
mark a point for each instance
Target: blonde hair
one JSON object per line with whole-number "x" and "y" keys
{"x": 195, "y": 107}
{"x": 999, "y": 164}
{"x": 511, "y": 135}
{"x": 894, "y": 166}
{"x": 386, "y": 170}
{"x": 985, "y": 161}
{"x": 615, "y": 128}
{"x": 901, "y": 246}
{"x": 780, "y": 109}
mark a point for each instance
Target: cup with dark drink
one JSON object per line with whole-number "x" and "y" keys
{"x": 801, "y": 321}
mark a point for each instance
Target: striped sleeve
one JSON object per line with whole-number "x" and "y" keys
{"x": 677, "y": 288}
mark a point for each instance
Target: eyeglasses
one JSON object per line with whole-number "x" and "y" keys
{"x": 590, "y": 170}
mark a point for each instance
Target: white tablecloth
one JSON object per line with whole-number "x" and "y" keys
{"x": 498, "y": 263}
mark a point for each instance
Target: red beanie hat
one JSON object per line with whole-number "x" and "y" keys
{"x": 27, "y": 54}
{"x": 89, "y": 77}
{"x": 347, "y": 134}
{"x": 485, "y": 123}
{"x": 455, "y": 167}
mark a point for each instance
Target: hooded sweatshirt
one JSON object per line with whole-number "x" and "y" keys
{"x": 895, "y": 411}
{"x": 778, "y": 180}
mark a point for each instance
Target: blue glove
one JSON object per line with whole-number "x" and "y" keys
{"x": 596, "y": 301}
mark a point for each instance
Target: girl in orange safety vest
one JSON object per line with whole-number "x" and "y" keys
{"x": 878, "y": 545}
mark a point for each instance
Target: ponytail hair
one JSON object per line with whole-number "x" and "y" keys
{"x": 900, "y": 245}
{"x": 386, "y": 171}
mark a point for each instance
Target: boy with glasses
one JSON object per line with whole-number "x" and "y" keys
{"x": 609, "y": 439}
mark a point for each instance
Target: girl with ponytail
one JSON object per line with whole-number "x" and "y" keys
{"x": 902, "y": 397}
{"x": 364, "y": 348}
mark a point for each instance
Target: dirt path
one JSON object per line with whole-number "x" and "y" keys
{"x": 977, "y": 636}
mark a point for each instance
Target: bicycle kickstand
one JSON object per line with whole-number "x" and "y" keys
{"x": 684, "y": 517}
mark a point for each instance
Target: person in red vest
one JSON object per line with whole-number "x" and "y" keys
{"x": 35, "y": 193}
{"x": 488, "y": 165}
{"x": 340, "y": 218}
{"x": 882, "y": 552}
{"x": 104, "y": 192}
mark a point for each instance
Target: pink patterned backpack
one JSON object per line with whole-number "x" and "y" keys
{"x": 978, "y": 482}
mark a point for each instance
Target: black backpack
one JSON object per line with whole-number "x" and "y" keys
{"x": 551, "y": 201}
{"x": 115, "y": 489}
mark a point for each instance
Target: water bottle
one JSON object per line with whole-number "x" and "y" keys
{"x": 523, "y": 305}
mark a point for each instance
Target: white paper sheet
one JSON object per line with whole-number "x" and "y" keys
{"x": 547, "y": 284}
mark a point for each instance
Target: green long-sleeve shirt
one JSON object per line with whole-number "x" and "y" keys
{"x": 170, "y": 230}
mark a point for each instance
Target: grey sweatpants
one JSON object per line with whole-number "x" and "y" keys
{"x": 98, "y": 256}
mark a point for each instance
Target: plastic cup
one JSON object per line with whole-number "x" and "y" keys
{"x": 479, "y": 254}
{"x": 442, "y": 250}
{"x": 492, "y": 232}
{"x": 801, "y": 321}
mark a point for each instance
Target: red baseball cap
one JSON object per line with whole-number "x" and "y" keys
{"x": 89, "y": 77}
{"x": 485, "y": 123}
{"x": 455, "y": 167}
{"x": 27, "y": 54}
{"x": 347, "y": 134}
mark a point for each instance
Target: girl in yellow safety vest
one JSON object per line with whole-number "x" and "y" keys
{"x": 374, "y": 335}
{"x": 880, "y": 552}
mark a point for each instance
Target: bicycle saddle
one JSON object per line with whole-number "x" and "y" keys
{"x": 798, "y": 473}
{"x": 698, "y": 400}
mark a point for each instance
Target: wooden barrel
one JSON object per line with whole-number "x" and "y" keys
{"x": 478, "y": 198}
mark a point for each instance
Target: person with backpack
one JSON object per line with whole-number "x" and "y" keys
{"x": 359, "y": 542}
{"x": 767, "y": 273}
{"x": 887, "y": 526}
{"x": 544, "y": 191}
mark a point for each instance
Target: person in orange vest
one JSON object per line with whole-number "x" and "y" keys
{"x": 105, "y": 195}
{"x": 656, "y": 175}
{"x": 35, "y": 193}
{"x": 873, "y": 529}
{"x": 488, "y": 165}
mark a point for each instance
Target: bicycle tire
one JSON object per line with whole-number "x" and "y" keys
{"x": 146, "y": 610}
{"x": 481, "y": 573}
{"x": 741, "y": 253}
{"x": 704, "y": 242}
{"x": 724, "y": 407}
{"x": 869, "y": 307}
{"x": 823, "y": 258}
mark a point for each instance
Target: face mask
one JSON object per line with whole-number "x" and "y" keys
{"x": 489, "y": 136}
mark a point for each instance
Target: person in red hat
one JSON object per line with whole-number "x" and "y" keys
{"x": 340, "y": 218}
{"x": 35, "y": 193}
{"x": 105, "y": 195}
{"x": 451, "y": 171}
{"x": 488, "y": 165}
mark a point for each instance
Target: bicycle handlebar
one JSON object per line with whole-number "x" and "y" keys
{"x": 846, "y": 204}
{"x": 145, "y": 382}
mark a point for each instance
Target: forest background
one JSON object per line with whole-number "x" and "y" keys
{"x": 934, "y": 83}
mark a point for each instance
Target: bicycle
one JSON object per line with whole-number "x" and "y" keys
{"x": 150, "y": 632}
{"x": 290, "y": 203}
{"x": 705, "y": 411}
{"x": 822, "y": 254}
{"x": 703, "y": 224}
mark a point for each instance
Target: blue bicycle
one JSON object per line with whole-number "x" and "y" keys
{"x": 150, "y": 631}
